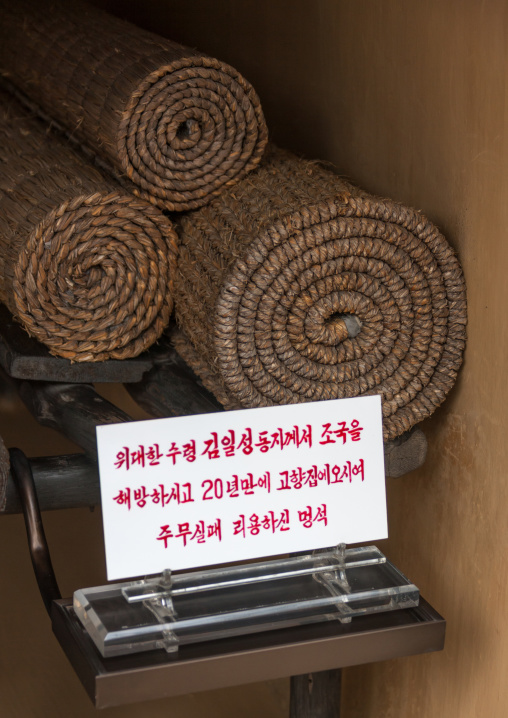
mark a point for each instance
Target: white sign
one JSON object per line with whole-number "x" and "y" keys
{"x": 213, "y": 488}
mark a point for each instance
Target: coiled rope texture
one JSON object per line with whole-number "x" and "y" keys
{"x": 92, "y": 282}
{"x": 86, "y": 269}
{"x": 180, "y": 125}
{"x": 192, "y": 129}
{"x": 310, "y": 289}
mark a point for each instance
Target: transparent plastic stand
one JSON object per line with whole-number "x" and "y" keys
{"x": 168, "y": 611}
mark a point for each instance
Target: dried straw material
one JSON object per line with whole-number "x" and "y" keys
{"x": 180, "y": 125}
{"x": 86, "y": 269}
{"x": 296, "y": 286}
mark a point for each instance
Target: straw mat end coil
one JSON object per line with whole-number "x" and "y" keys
{"x": 296, "y": 286}
{"x": 94, "y": 280}
{"x": 180, "y": 125}
{"x": 191, "y": 129}
{"x": 86, "y": 268}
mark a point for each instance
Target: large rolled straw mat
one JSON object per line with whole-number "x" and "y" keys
{"x": 182, "y": 126}
{"x": 85, "y": 268}
{"x": 296, "y": 286}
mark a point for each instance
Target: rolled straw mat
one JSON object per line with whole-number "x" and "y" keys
{"x": 87, "y": 269}
{"x": 296, "y": 286}
{"x": 182, "y": 126}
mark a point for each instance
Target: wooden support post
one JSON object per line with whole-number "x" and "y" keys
{"x": 61, "y": 482}
{"x": 73, "y": 409}
{"x": 316, "y": 695}
{"x": 172, "y": 389}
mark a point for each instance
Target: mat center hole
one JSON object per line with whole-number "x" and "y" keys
{"x": 352, "y": 322}
{"x": 183, "y": 130}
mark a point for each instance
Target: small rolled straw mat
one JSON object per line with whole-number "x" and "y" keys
{"x": 180, "y": 125}
{"x": 295, "y": 286}
{"x": 86, "y": 268}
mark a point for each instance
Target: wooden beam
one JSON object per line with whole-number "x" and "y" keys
{"x": 23, "y": 357}
{"x": 61, "y": 482}
{"x": 316, "y": 695}
{"x": 73, "y": 409}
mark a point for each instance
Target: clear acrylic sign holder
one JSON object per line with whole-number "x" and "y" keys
{"x": 170, "y": 610}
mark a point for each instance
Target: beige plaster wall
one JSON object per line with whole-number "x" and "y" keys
{"x": 408, "y": 99}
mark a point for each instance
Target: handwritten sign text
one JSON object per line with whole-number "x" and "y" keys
{"x": 200, "y": 490}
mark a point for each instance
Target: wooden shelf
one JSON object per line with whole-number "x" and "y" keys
{"x": 246, "y": 659}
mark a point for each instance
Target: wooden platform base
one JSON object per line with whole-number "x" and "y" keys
{"x": 247, "y": 659}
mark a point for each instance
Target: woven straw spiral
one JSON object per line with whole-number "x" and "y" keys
{"x": 92, "y": 282}
{"x": 86, "y": 268}
{"x": 179, "y": 125}
{"x": 319, "y": 291}
{"x": 190, "y": 129}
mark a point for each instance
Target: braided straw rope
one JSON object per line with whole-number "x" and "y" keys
{"x": 180, "y": 125}
{"x": 87, "y": 270}
{"x": 296, "y": 286}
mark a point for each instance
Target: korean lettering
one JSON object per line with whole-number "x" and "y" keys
{"x": 239, "y": 526}
{"x": 214, "y": 489}
{"x": 298, "y": 436}
{"x": 154, "y": 455}
{"x": 228, "y": 443}
{"x": 181, "y": 494}
{"x": 299, "y": 477}
{"x": 348, "y": 472}
{"x": 281, "y": 523}
{"x": 123, "y": 498}
{"x": 128, "y": 457}
{"x": 165, "y": 534}
{"x": 263, "y": 442}
{"x": 140, "y": 496}
{"x": 355, "y": 430}
{"x": 199, "y": 533}
{"x": 138, "y": 456}
{"x": 254, "y": 524}
{"x": 282, "y": 438}
{"x": 211, "y": 450}
{"x": 214, "y": 529}
{"x": 331, "y": 435}
{"x": 173, "y": 452}
{"x": 183, "y": 532}
{"x": 245, "y": 443}
{"x": 248, "y": 485}
{"x": 232, "y": 487}
{"x": 315, "y": 474}
{"x": 189, "y": 451}
{"x": 265, "y": 481}
{"x": 159, "y": 495}
{"x": 123, "y": 457}
{"x": 308, "y": 517}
